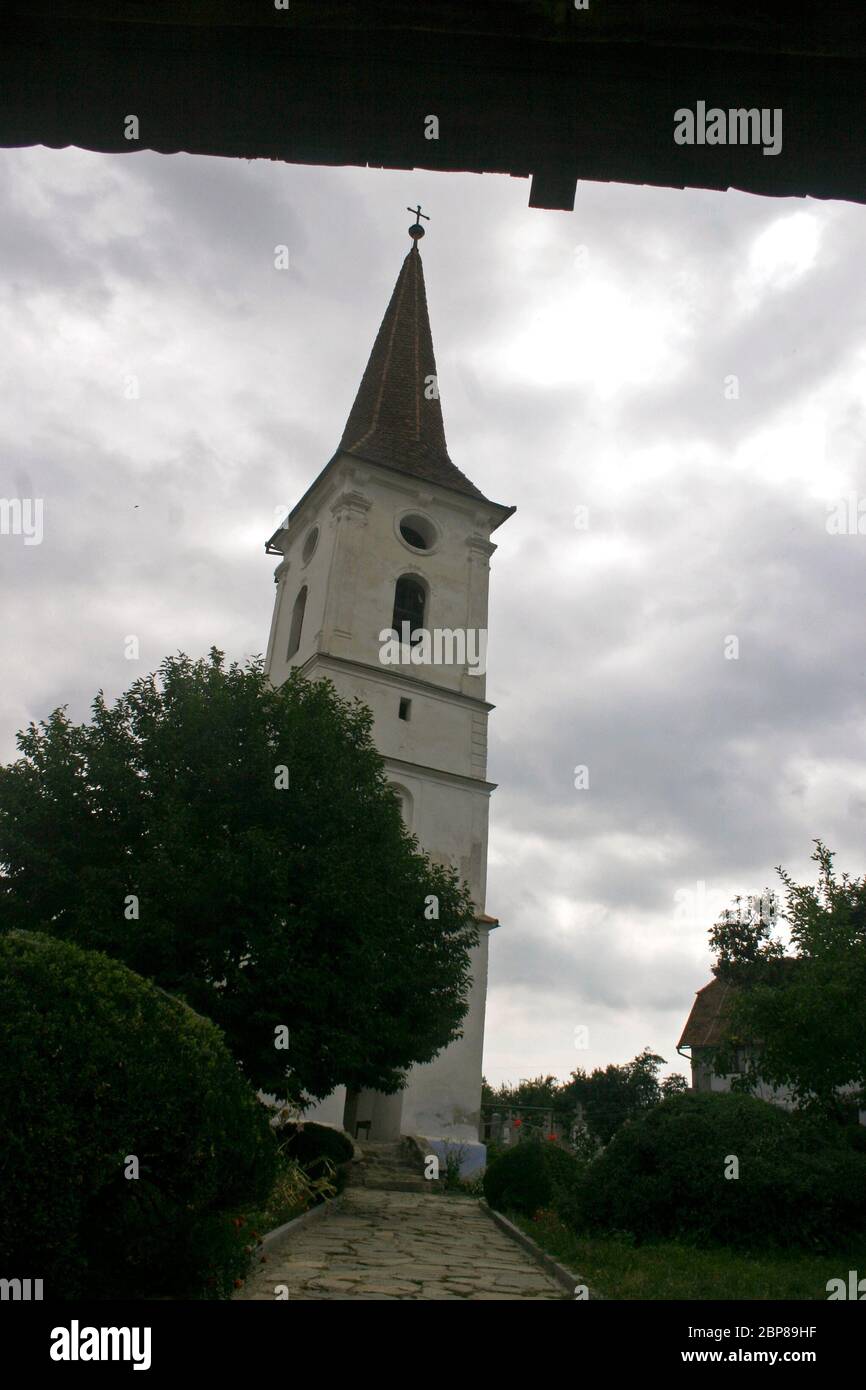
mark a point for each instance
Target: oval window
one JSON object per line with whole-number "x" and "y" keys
{"x": 310, "y": 545}
{"x": 418, "y": 532}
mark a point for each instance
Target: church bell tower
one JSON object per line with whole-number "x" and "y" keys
{"x": 391, "y": 535}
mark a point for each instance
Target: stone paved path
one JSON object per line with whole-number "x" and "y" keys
{"x": 401, "y": 1245}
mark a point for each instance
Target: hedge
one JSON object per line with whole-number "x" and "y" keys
{"x": 535, "y": 1175}
{"x": 664, "y": 1176}
{"x": 98, "y": 1066}
{"x": 310, "y": 1144}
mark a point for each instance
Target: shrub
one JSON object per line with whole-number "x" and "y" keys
{"x": 293, "y": 1193}
{"x": 495, "y": 1150}
{"x": 855, "y": 1136}
{"x": 471, "y": 1187}
{"x": 532, "y": 1176}
{"x": 97, "y": 1065}
{"x": 454, "y": 1156}
{"x": 663, "y": 1176}
{"x": 312, "y": 1145}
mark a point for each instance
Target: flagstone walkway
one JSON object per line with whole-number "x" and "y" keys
{"x": 400, "y": 1245}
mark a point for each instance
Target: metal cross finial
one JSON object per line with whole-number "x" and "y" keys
{"x": 416, "y": 230}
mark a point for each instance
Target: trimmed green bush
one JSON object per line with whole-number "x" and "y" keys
{"x": 663, "y": 1176}
{"x": 98, "y": 1065}
{"x": 535, "y": 1175}
{"x": 310, "y": 1144}
{"x": 855, "y": 1137}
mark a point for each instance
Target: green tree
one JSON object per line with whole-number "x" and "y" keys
{"x": 611, "y": 1095}
{"x": 673, "y": 1085}
{"x": 239, "y": 845}
{"x": 537, "y": 1091}
{"x": 535, "y": 1099}
{"x": 796, "y": 1017}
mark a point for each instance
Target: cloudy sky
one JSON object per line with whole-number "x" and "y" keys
{"x": 670, "y": 387}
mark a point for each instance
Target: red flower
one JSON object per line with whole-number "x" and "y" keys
{"x": 517, "y": 1123}
{"x": 552, "y": 1136}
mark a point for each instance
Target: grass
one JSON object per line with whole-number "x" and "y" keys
{"x": 616, "y": 1269}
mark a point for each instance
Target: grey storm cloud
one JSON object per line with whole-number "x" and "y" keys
{"x": 583, "y": 361}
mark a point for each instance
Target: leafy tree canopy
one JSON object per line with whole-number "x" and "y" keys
{"x": 611, "y": 1095}
{"x": 796, "y": 1016}
{"x": 539, "y": 1091}
{"x": 607, "y": 1096}
{"x": 239, "y": 845}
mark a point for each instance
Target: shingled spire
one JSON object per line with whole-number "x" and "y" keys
{"x": 396, "y": 420}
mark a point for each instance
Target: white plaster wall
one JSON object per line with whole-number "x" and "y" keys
{"x": 330, "y": 1110}
{"x": 439, "y": 755}
{"x": 705, "y": 1079}
{"x": 443, "y": 1097}
{"x": 292, "y": 574}
{"x": 451, "y": 822}
{"x": 359, "y": 558}
{"x": 444, "y": 731}
{"x": 776, "y": 1095}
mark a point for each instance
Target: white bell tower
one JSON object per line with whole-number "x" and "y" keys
{"x": 389, "y": 532}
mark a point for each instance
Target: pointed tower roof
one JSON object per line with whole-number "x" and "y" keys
{"x": 396, "y": 420}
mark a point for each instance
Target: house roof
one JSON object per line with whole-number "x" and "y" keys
{"x": 705, "y": 1025}
{"x": 337, "y": 83}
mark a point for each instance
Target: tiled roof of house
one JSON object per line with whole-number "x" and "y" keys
{"x": 705, "y": 1025}
{"x": 396, "y": 420}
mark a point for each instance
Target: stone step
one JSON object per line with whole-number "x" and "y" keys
{"x": 388, "y": 1167}
{"x": 389, "y": 1184}
{"x": 392, "y": 1165}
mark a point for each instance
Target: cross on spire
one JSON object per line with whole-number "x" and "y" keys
{"x": 416, "y": 231}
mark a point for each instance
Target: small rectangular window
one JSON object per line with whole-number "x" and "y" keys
{"x": 405, "y": 709}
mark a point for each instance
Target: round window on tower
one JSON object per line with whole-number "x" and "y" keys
{"x": 310, "y": 544}
{"x": 417, "y": 532}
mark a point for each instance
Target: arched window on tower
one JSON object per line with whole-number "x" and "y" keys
{"x": 409, "y": 602}
{"x": 406, "y": 804}
{"x": 297, "y": 623}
